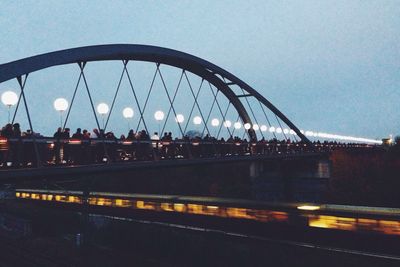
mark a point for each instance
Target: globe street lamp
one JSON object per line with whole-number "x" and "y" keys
{"x": 60, "y": 105}
{"x": 263, "y": 128}
{"x": 227, "y": 124}
{"x": 237, "y": 125}
{"x": 214, "y": 122}
{"x": 179, "y": 118}
{"x": 128, "y": 114}
{"x": 9, "y": 98}
{"x": 159, "y": 116}
{"x": 102, "y": 109}
{"x": 247, "y": 126}
{"x": 197, "y": 120}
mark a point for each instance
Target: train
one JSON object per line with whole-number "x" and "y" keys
{"x": 328, "y": 216}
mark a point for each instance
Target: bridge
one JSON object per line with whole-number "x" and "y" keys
{"x": 220, "y": 117}
{"x": 206, "y": 123}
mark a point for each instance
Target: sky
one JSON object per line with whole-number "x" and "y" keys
{"x": 331, "y": 66}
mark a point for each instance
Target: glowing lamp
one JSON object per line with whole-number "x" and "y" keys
{"x": 9, "y": 98}
{"x": 227, "y": 123}
{"x": 278, "y": 130}
{"x": 127, "y": 113}
{"x": 215, "y": 122}
{"x": 60, "y": 104}
{"x": 197, "y": 120}
{"x": 237, "y": 125}
{"x": 179, "y": 118}
{"x": 159, "y": 115}
{"x": 264, "y": 128}
{"x": 272, "y": 129}
{"x": 247, "y": 126}
{"x": 102, "y": 108}
{"x": 256, "y": 127}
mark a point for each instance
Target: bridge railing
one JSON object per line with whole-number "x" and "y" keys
{"x": 43, "y": 151}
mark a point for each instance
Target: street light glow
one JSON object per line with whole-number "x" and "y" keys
{"x": 128, "y": 113}
{"x": 247, "y": 126}
{"x": 102, "y": 108}
{"x": 197, "y": 120}
{"x": 179, "y": 118}
{"x": 237, "y": 125}
{"x": 323, "y": 135}
{"x": 227, "y": 124}
{"x": 159, "y": 115}
{"x": 264, "y": 128}
{"x": 60, "y": 104}
{"x": 9, "y": 98}
{"x": 215, "y": 122}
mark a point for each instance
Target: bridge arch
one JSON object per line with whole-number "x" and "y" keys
{"x": 220, "y": 78}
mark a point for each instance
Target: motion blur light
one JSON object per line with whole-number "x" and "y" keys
{"x": 308, "y": 207}
{"x": 237, "y": 125}
{"x": 179, "y": 118}
{"x": 159, "y": 115}
{"x": 215, "y": 122}
{"x": 102, "y": 108}
{"x": 9, "y": 98}
{"x": 197, "y": 120}
{"x": 128, "y": 113}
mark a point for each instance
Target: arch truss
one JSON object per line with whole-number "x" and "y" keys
{"x": 255, "y": 113}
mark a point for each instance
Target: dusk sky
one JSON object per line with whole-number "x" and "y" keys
{"x": 331, "y": 66}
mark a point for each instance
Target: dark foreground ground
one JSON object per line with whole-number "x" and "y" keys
{"x": 42, "y": 236}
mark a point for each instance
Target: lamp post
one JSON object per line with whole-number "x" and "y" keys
{"x": 60, "y": 105}
{"x": 128, "y": 114}
{"x": 227, "y": 125}
{"x": 215, "y": 122}
{"x": 9, "y": 98}
{"x": 197, "y": 121}
{"x": 102, "y": 109}
{"x": 159, "y": 116}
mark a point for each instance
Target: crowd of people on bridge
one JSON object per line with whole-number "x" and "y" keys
{"x": 83, "y": 147}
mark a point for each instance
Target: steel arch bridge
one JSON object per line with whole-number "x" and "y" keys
{"x": 221, "y": 79}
